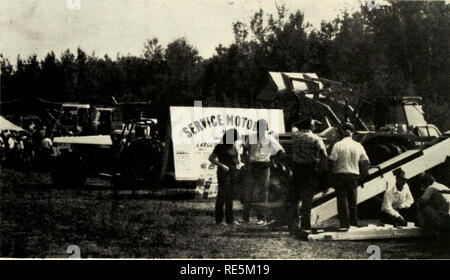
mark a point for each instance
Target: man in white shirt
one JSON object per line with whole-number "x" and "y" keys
{"x": 259, "y": 148}
{"x": 47, "y": 143}
{"x": 47, "y": 149}
{"x": 346, "y": 158}
{"x": 398, "y": 204}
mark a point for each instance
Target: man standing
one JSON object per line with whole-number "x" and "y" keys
{"x": 348, "y": 160}
{"x": 258, "y": 149}
{"x": 46, "y": 149}
{"x": 398, "y": 203}
{"x": 308, "y": 152}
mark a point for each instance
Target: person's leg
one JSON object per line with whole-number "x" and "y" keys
{"x": 261, "y": 177}
{"x": 229, "y": 196}
{"x": 307, "y": 195}
{"x": 249, "y": 194}
{"x": 430, "y": 222}
{"x": 220, "y": 199}
{"x": 293, "y": 208}
{"x": 307, "y": 192}
{"x": 352, "y": 199}
{"x": 342, "y": 203}
{"x": 293, "y": 198}
{"x": 264, "y": 184}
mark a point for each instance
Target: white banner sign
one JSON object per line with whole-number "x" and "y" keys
{"x": 196, "y": 130}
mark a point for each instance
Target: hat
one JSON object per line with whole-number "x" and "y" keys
{"x": 348, "y": 126}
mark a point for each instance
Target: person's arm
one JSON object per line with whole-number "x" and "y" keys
{"x": 333, "y": 158}
{"x": 409, "y": 200}
{"x": 321, "y": 149}
{"x": 387, "y": 205}
{"x": 364, "y": 163}
{"x": 321, "y": 163}
{"x": 245, "y": 150}
{"x": 214, "y": 160}
{"x": 239, "y": 149}
{"x": 364, "y": 168}
{"x": 277, "y": 149}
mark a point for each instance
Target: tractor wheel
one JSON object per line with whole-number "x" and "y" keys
{"x": 396, "y": 149}
{"x": 280, "y": 180}
{"x": 140, "y": 163}
{"x": 378, "y": 153}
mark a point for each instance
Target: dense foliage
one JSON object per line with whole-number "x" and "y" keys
{"x": 398, "y": 49}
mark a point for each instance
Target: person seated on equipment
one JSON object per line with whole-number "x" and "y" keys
{"x": 398, "y": 204}
{"x": 434, "y": 210}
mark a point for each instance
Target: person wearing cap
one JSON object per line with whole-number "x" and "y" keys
{"x": 398, "y": 203}
{"x": 258, "y": 149}
{"x": 348, "y": 161}
{"x": 308, "y": 152}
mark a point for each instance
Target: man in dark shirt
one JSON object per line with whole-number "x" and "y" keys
{"x": 226, "y": 157}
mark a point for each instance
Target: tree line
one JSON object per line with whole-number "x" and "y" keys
{"x": 401, "y": 49}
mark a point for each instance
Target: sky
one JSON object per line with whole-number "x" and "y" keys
{"x": 122, "y": 26}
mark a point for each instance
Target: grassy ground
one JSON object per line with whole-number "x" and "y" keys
{"x": 40, "y": 221}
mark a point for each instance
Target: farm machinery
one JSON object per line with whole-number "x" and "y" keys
{"x": 135, "y": 157}
{"x": 392, "y": 129}
{"x": 117, "y": 141}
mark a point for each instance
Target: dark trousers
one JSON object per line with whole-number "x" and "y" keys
{"x": 226, "y": 187}
{"x": 434, "y": 223}
{"x": 306, "y": 180}
{"x": 257, "y": 188}
{"x": 408, "y": 214}
{"x": 346, "y": 194}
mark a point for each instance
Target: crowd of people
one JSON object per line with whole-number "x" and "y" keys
{"x": 23, "y": 150}
{"x": 347, "y": 166}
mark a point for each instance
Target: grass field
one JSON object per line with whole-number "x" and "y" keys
{"x": 39, "y": 221}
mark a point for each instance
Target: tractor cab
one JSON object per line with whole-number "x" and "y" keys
{"x": 397, "y": 124}
{"x": 140, "y": 128}
{"x": 403, "y": 114}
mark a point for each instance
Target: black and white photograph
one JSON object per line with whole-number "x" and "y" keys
{"x": 224, "y": 130}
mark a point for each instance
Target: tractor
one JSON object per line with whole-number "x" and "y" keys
{"x": 133, "y": 158}
{"x": 386, "y": 126}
